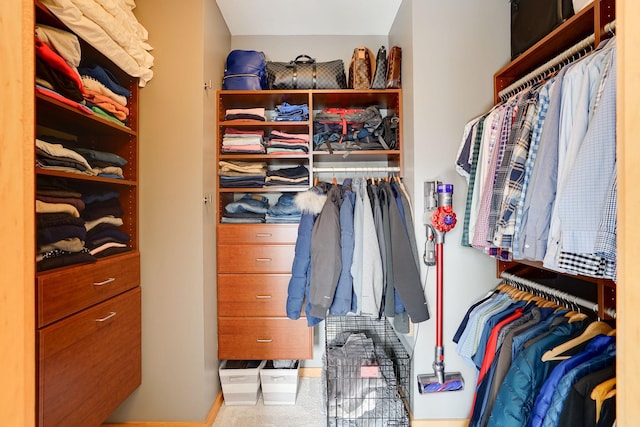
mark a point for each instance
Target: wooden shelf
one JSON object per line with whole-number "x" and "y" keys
{"x": 87, "y": 178}
{"x": 274, "y": 189}
{"x": 78, "y": 383}
{"x": 590, "y": 20}
{"x": 58, "y": 115}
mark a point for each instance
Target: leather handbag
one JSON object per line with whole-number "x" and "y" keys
{"x": 531, "y": 20}
{"x": 394, "y": 68}
{"x": 245, "y": 70}
{"x": 305, "y": 73}
{"x": 379, "y": 80}
{"x": 360, "y": 69}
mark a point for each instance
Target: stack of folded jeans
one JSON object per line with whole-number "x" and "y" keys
{"x": 237, "y": 174}
{"x": 298, "y": 175}
{"x": 249, "y": 209}
{"x": 284, "y": 211}
{"x": 291, "y": 113}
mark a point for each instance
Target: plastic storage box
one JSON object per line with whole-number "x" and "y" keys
{"x": 279, "y": 385}
{"x": 240, "y": 381}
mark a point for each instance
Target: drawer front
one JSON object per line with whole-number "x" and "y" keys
{"x": 89, "y": 363}
{"x": 255, "y": 258}
{"x": 266, "y": 234}
{"x": 67, "y": 291}
{"x": 261, "y": 338}
{"x": 252, "y": 295}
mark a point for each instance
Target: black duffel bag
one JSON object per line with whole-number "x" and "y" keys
{"x": 531, "y": 20}
{"x": 305, "y": 73}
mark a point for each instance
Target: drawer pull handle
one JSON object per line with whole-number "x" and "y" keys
{"x": 107, "y": 317}
{"x": 264, "y": 234}
{"x": 105, "y": 282}
{"x": 263, "y": 296}
{"x": 263, "y": 259}
{"x": 264, "y": 340}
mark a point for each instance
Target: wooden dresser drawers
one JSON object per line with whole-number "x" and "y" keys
{"x": 62, "y": 292}
{"x": 254, "y": 268}
{"x": 89, "y": 362}
{"x": 252, "y": 294}
{"x": 263, "y": 338}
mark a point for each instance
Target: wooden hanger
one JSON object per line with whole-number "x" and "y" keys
{"x": 594, "y": 328}
{"x": 602, "y": 392}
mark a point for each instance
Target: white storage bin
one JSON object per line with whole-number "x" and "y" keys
{"x": 279, "y": 386}
{"x": 240, "y": 386}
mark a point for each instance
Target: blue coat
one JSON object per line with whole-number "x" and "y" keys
{"x": 300, "y": 282}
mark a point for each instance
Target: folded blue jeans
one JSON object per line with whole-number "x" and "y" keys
{"x": 249, "y": 203}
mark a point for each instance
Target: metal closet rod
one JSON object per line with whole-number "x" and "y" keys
{"x": 549, "y": 65}
{"x": 528, "y": 79}
{"x": 356, "y": 169}
{"x": 557, "y": 293}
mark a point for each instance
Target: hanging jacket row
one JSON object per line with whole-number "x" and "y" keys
{"x": 356, "y": 253}
{"x": 534, "y": 360}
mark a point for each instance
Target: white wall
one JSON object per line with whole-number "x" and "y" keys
{"x": 216, "y": 47}
{"x": 450, "y": 52}
{"x": 179, "y": 380}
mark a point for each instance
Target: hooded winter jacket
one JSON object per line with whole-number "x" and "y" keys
{"x": 310, "y": 204}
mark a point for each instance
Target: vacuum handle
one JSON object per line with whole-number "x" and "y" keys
{"x": 439, "y": 288}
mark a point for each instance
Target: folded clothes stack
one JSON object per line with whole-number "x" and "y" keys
{"x": 243, "y": 141}
{"x": 286, "y": 143}
{"x": 236, "y": 174}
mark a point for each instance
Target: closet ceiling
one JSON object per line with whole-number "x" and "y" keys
{"x": 309, "y": 17}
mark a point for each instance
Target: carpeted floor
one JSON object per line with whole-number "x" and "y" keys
{"x": 308, "y": 410}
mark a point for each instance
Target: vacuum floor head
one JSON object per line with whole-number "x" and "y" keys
{"x": 428, "y": 383}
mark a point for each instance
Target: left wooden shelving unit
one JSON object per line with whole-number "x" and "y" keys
{"x": 88, "y": 314}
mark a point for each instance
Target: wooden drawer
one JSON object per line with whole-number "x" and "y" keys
{"x": 66, "y": 291}
{"x": 255, "y": 258}
{"x": 90, "y": 362}
{"x": 266, "y": 234}
{"x": 260, "y": 338}
{"x": 252, "y": 295}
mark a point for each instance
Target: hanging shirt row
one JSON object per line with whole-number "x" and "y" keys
{"x": 541, "y": 169}
{"x": 356, "y": 253}
{"x": 538, "y": 364}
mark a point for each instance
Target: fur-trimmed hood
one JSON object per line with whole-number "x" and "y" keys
{"x": 310, "y": 201}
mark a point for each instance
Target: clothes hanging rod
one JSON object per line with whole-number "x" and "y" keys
{"x": 544, "y": 68}
{"x": 356, "y": 169}
{"x": 610, "y": 27}
{"x": 557, "y": 293}
{"x": 584, "y": 44}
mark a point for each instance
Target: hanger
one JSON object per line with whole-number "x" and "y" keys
{"x": 602, "y": 392}
{"x": 594, "y": 328}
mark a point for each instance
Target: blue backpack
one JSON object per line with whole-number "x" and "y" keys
{"x": 245, "y": 70}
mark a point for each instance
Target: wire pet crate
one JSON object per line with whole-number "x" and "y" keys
{"x": 366, "y": 370}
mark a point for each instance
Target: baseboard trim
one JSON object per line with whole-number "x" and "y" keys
{"x": 211, "y": 417}
{"x": 311, "y": 372}
{"x": 439, "y": 423}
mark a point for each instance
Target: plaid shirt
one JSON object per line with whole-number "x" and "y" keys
{"x": 515, "y": 176}
{"x": 500, "y": 187}
{"x": 538, "y": 123}
{"x": 472, "y": 180}
{"x": 496, "y": 152}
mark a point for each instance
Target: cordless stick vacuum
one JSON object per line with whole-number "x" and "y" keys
{"x": 439, "y": 204}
